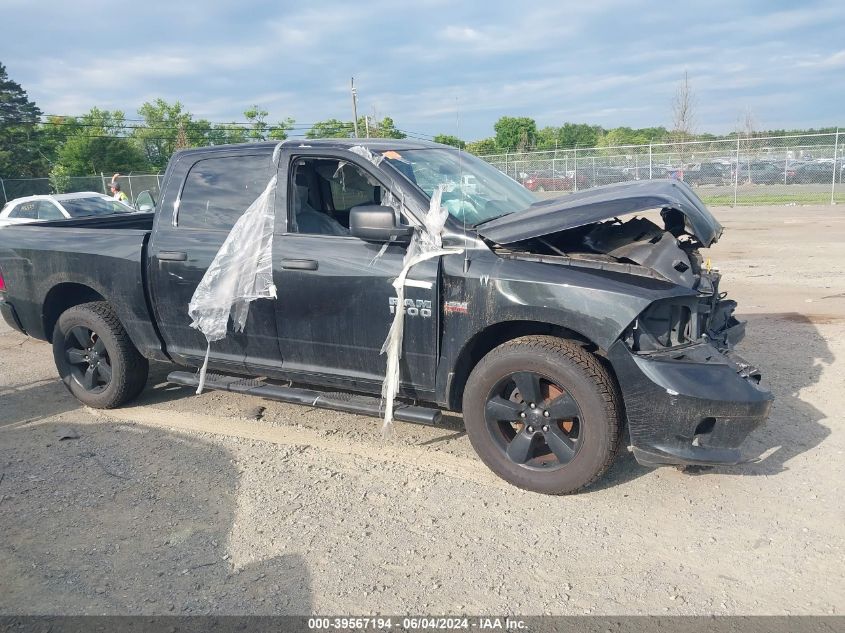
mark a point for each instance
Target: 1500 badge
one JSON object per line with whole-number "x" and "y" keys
{"x": 413, "y": 307}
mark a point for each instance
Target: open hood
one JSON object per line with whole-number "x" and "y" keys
{"x": 603, "y": 203}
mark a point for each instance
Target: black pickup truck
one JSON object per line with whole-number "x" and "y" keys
{"x": 554, "y": 327}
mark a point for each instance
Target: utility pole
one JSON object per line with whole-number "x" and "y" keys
{"x": 367, "y": 125}
{"x": 354, "y": 108}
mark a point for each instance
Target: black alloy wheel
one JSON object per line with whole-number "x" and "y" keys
{"x": 90, "y": 365}
{"x": 534, "y": 421}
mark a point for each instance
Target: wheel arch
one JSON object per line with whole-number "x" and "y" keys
{"x": 489, "y": 338}
{"x": 62, "y": 297}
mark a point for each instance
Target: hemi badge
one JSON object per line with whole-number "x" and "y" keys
{"x": 455, "y": 307}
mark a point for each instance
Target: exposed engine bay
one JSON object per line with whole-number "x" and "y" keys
{"x": 637, "y": 246}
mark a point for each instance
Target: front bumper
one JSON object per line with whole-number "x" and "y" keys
{"x": 690, "y": 405}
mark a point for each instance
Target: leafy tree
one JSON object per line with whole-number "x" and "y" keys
{"x": 20, "y": 146}
{"x": 279, "y": 132}
{"x": 387, "y": 129}
{"x": 515, "y": 133}
{"x": 164, "y": 124}
{"x": 630, "y": 136}
{"x": 331, "y": 128}
{"x": 579, "y": 135}
{"x": 448, "y": 139}
{"x": 59, "y": 179}
{"x": 258, "y": 127}
{"x": 569, "y": 135}
{"x": 484, "y": 147}
{"x": 53, "y": 134}
{"x": 227, "y": 133}
{"x": 99, "y": 145}
{"x": 335, "y": 128}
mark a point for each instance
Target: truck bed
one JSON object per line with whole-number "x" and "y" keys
{"x": 50, "y": 264}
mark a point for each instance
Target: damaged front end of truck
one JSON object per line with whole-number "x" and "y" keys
{"x": 689, "y": 398}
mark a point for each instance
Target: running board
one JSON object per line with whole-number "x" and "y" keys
{"x": 362, "y": 405}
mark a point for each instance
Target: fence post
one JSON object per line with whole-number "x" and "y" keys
{"x": 833, "y": 175}
{"x": 3, "y": 186}
{"x": 103, "y": 178}
{"x": 736, "y": 171}
{"x": 649, "y": 163}
{"x": 131, "y": 197}
{"x": 575, "y": 160}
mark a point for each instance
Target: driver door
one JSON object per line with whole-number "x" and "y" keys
{"x": 336, "y": 298}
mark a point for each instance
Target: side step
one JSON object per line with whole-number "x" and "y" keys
{"x": 362, "y": 405}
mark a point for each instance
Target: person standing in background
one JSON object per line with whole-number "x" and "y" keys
{"x": 116, "y": 193}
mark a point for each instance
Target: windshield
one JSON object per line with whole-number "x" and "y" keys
{"x": 476, "y": 191}
{"x": 86, "y": 207}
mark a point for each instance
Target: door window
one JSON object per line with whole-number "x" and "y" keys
{"x": 322, "y": 191}
{"x": 218, "y": 190}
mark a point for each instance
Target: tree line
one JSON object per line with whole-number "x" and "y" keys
{"x": 106, "y": 141}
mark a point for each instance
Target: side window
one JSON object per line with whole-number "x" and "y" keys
{"x": 25, "y": 211}
{"x": 322, "y": 191}
{"x": 49, "y": 211}
{"x": 218, "y": 190}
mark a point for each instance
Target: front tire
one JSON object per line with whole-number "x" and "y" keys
{"x": 96, "y": 360}
{"x": 543, "y": 414}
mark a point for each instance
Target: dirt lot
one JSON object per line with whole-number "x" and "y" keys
{"x": 184, "y": 504}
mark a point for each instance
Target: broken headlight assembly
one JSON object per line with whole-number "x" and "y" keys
{"x": 679, "y": 321}
{"x": 667, "y": 323}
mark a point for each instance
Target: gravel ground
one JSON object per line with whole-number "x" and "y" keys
{"x": 184, "y": 504}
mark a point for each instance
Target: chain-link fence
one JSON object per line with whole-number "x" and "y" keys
{"x": 740, "y": 170}
{"x": 130, "y": 184}
{"x": 797, "y": 169}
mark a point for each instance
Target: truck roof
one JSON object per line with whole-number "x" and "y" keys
{"x": 379, "y": 144}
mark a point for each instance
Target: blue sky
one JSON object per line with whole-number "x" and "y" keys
{"x": 607, "y": 62}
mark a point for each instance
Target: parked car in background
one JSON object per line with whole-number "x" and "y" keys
{"x": 596, "y": 176}
{"x": 759, "y": 173}
{"x": 60, "y": 207}
{"x": 804, "y": 173}
{"x": 643, "y": 172}
{"x": 553, "y": 180}
{"x": 708, "y": 174}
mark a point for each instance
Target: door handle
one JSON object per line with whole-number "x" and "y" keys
{"x": 299, "y": 264}
{"x": 172, "y": 256}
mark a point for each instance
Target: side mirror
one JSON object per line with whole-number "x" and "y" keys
{"x": 144, "y": 201}
{"x": 376, "y": 223}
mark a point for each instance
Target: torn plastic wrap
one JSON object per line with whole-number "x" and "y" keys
{"x": 426, "y": 243}
{"x": 388, "y": 199}
{"x": 362, "y": 151}
{"x": 241, "y": 272}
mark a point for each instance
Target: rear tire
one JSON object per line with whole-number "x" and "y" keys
{"x": 561, "y": 434}
{"x": 96, "y": 360}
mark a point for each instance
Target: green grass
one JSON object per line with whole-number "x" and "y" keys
{"x": 727, "y": 200}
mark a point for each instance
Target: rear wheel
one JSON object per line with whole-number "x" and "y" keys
{"x": 96, "y": 360}
{"x": 543, "y": 414}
